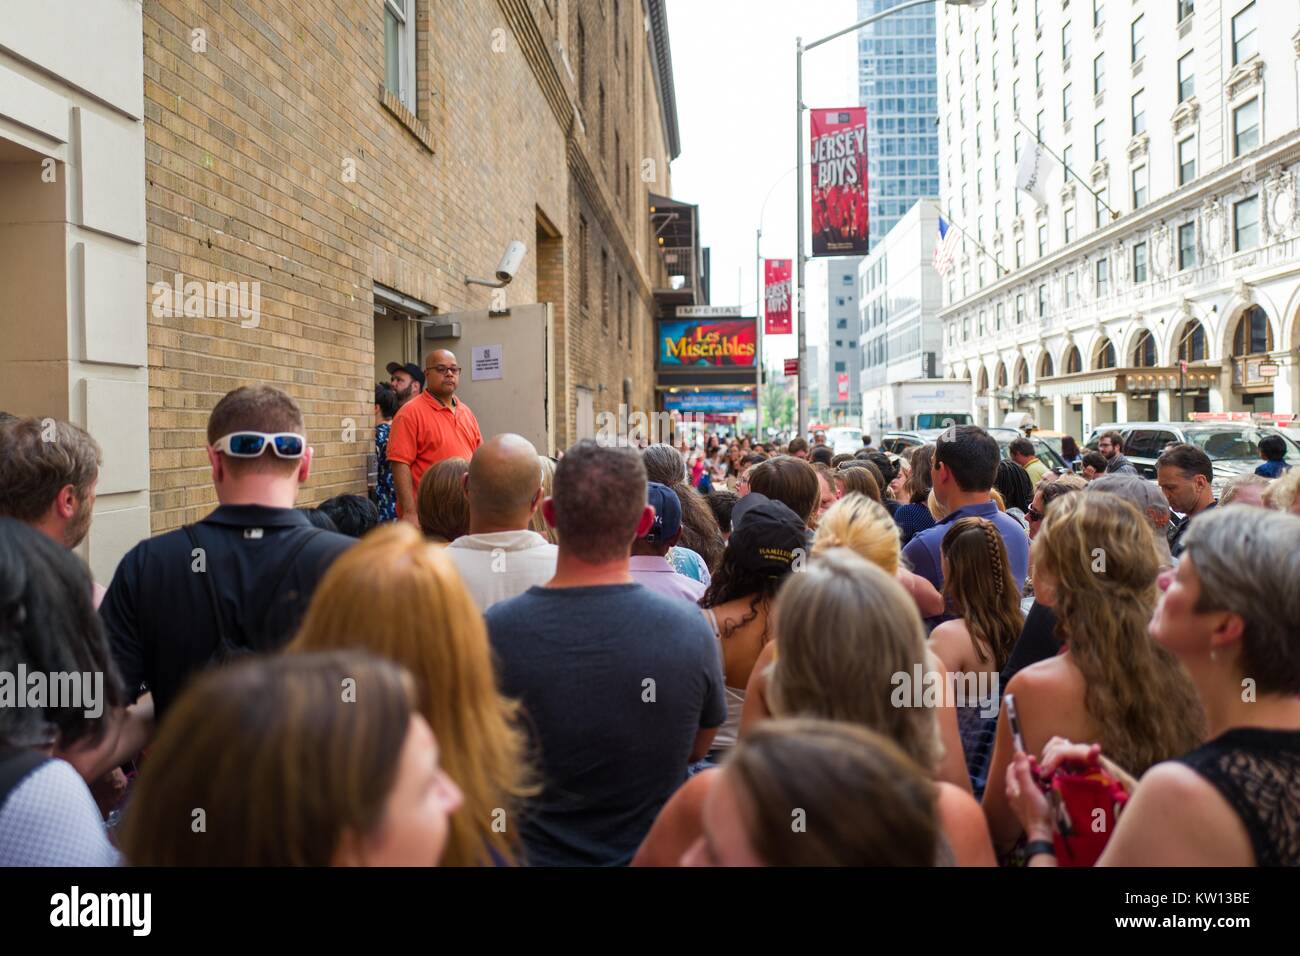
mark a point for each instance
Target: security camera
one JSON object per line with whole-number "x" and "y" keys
{"x": 511, "y": 260}
{"x": 506, "y": 269}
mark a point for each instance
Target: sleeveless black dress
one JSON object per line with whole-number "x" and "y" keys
{"x": 1258, "y": 772}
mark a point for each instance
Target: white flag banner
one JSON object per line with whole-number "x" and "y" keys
{"x": 1031, "y": 174}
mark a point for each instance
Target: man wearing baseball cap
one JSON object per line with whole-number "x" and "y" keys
{"x": 766, "y": 536}
{"x": 407, "y": 381}
{"x": 649, "y": 564}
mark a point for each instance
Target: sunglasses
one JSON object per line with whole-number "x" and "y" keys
{"x": 252, "y": 444}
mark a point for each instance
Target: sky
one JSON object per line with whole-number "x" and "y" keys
{"x": 734, "y": 75}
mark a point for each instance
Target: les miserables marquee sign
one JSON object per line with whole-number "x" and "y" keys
{"x": 707, "y": 343}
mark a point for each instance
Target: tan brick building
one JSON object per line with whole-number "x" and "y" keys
{"x": 342, "y": 165}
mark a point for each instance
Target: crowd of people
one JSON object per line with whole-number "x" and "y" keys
{"x": 703, "y": 653}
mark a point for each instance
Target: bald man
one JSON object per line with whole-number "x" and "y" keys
{"x": 501, "y": 557}
{"x": 431, "y": 427}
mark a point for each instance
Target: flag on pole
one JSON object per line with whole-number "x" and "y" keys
{"x": 1031, "y": 173}
{"x": 945, "y": 247}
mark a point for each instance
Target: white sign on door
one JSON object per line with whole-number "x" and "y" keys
{"x": 487, "y": 363}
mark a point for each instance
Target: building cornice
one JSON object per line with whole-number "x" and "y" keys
{"x": 1283, "y": 150}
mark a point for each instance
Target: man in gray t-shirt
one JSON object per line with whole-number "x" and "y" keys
{"x": 621, "y": 687}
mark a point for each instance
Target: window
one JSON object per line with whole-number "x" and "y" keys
{"x": 1139, "y": 112}
{"x": 399, "y": 50}
{"x": 1067, "y": 95}
{"x": 1245, "y": 216}
{"x": 1144, "y": 354}
{"x": 1073, "y": 362}
{"x": 1065, "y": 43}
{"x": 979, "y": 139}
{"x": 998, "y": 317}
{"x": 1067, "y": 160}
{"x": 1253, "y": 334}
{"x": 1186, "y": 160}
{"x": 1038, "y": 14}
{"x": 1185, "y": 8}
{"x": 1042, "y": 301}
{"x": 1020, "y": 253}
{"x": 993, "y": 63}
{"x": 840, "y": 367}
{"x": 980, "y": 325}
{"x": 1137, "y": 35}
{"x": 600, "y": 129}
{"x": 1042, "y": 238}
{"x": 1098, "y": 13}
{"x": 584, "y": 287}
{"x": 1015, "y": 45}
{"x": 1102, "y": 213}
{"x": 1098, "y": 73}
{"x": 1191, "y": 346}
{"x": 581, "y": 65}
{"x": 618, "y": 302}
{"x": 1015, "y": 96}
{"x": 1140, "y": 262}
{"x": 1068, "y": 218}
{"x": 1139, "y": 187}
{"x": 1186, "y": 79}
{"x": 977, "y": 44}
{"x": 1244, "y": 42}
{"x": 1038, "y": 70}
{"x": 1106, "y": 355}
{"x": 1245, "y": 127}
{"x": 1038, "y": 125}
{"x": 1098, "y": 140}
{"x": 1067, "y": 291}
{"x": 841, "y": 323}
{"x": 1187, "y": 246}
{"x": 604, "y": 289}
{"x": 1103, "y": 277}
{"x": 1020, "y": 309}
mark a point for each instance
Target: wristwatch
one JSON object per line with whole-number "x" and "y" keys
{"x": 1035, "y": 847}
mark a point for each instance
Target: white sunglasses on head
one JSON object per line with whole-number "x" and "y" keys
{"x": 252, "y": 444}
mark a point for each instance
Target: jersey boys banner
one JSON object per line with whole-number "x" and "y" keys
{"x": 839, "y": 182}
{"x": 707, "y": 343}
{"x": 777, "y": 276}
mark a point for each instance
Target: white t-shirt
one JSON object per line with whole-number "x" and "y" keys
{"x": 502, "y": 564}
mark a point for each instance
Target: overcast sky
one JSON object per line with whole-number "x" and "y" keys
{"x": 733, "y": 70}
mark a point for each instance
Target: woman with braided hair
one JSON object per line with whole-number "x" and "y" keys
{"x": 980, "y": 589}
{"x": 1095, "y": 565}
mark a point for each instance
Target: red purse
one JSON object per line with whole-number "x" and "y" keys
{"x": 1086, "y": 803}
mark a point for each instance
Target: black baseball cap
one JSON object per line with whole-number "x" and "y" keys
{"x": 766, "y": 536}
{"x": 410, "y": 368}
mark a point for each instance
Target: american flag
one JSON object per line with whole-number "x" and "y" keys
{"x": 945, "y": 247}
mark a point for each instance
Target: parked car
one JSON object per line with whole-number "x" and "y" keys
{"x": 1233, "y": 447}
{"x": 895, "y": 442}
{"x": 844, "y": 440}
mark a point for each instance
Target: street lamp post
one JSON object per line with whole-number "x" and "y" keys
{"x": 801, "y": 415}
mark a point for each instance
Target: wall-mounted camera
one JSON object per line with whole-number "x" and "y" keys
{"x": 511, "y": 260}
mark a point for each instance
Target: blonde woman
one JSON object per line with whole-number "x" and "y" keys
{"x": 396, "y": 595}
{"x": 1285, "y": 493}
{"x": 851, "y": 643}
{"x": 538, "y": 522}
{"x": 1095, "y": 566}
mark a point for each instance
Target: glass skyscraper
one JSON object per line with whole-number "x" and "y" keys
{"x": 898, "y": 84}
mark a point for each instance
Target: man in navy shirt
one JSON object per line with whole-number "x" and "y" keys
{"x": 965, "y": 464}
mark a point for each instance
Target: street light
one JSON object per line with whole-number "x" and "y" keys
{"x": 802, "y": 416}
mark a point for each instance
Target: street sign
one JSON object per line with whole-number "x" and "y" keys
{"x": 791, "y": 367}
{"x": 707, "y": 311}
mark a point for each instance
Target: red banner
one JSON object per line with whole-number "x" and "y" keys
{"x": 791, "y": 367}
{"x": 842, "y": 387}
{"x": 777, "y": 276}
{"x": 839, "y": 182}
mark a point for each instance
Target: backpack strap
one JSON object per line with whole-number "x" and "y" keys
{"x": 15, "y": 766}
{"x": 222, "y": 641}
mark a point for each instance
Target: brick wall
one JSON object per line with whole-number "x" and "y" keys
{"x": 247, "y": 142}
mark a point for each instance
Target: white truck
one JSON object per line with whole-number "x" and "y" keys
{"x": 917, "y": 404}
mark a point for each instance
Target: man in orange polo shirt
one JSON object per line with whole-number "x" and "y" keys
{"x": 430, "y": 427}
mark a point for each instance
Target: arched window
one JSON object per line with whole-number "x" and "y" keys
{"x": 1254, "y": 334}
{"x": 984, "y": 379}
{"x": 1144, "y": 352}
{"x": 1000, "y": 378}
{"x": 1191, "y": 343}
{"x": 1106, "y": 354}
{"x": 1022, "y": 372}
{"x": 1073, "y": 361}
{"x": 1045, "y": 367}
